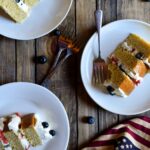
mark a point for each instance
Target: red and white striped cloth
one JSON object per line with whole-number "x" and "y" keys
{"x": 130, "y": 135}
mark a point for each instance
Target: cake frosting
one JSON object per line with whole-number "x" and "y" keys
{"x": 14, "y": 123}
{"x": 23, "y": 6}
{"x": 117, "y": 90}
{"x": 2, "y": 123}
{"x": 43, "y": 132}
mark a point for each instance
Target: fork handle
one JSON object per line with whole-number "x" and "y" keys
{"x": 98, "y": 21}
{"x": 58, "y": 61}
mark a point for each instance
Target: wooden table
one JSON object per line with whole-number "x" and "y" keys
{"x": 16, "y": 64}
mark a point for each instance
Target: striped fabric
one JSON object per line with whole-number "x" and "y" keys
{"x": 130, "y": 135}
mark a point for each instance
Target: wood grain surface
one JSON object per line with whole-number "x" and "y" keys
{"x": 16, "y": 64}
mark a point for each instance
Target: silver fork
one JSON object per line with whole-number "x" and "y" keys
{"x": 67, "y": 47}
{"x": 100, "y": 68}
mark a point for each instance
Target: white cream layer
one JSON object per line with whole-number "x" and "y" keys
{"x": 2, "y": 123}
{"x": 117, "y": 91}
{"x": 23, "y": 6}
{"x": 42, "y": 132}
{"x": 14, "y": 123}
{"x": 132, "y": 74}
{"x": 7, "y": 146}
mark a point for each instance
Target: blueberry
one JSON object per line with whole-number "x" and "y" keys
{"x": 57, "y": 32}
{"x": 110, "y": 90}
{"x": 45, "y": 124}
{"x": 139, "y": 55}
{"x": 17, "y": 1}
{"x": 52, "y": 132}
{"x": 90, "y": 120}
{"x": 41, "y": 59}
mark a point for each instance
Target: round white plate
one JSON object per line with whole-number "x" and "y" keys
{"x": 45, "y": 17}
{"x": 31, "y": 98}
{"x": 111, "y": 35}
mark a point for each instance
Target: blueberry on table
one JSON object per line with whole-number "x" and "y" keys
{"x": 52, "y": 132}
{"x": 41, "y": 59}
{"x": 139, "y": 55}
{"x": 110, "y": 90}
{"x": 90, "y": 120}
{"x": 45, "y": 124}
{"x": 57, "y": 32}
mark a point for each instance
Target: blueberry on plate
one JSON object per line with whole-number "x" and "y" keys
{"x": 90, "y": 120}
{"x": 17, "y": 1}
{"x": 110, "y": 90}
{"x": 139, "y": 55}
{"x": 52, "y": 132}
{"x": 41, "y": 59}
{"x": 45, "y": 124}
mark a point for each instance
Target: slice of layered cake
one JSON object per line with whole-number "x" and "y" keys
{"x": 18, "y": 10}
{"x": 21, "y": 133}
{"x": 13, "y": 134}
{"x": 36, "y": 131}
{"x": 138, "y": 47}
{"x": 118, "y": 83}
{"x": 133, "y": 67}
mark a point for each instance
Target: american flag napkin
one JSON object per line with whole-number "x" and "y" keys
{"x": 130, "y": 135}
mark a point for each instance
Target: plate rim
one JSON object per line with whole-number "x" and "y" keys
{"x": 56, "y": 98}
{"x": 81, "y": 66}
{"x": 43, "y": 34}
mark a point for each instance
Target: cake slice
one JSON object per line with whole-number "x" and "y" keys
{"x": 4, "y": 144}
{"x": 36, "y": 131}
{"x": 138, "y": 47}
{"x": 118, "y": 83}
{"x": 16, "y": 139}
{"x": 21, "y": 133}
{"x": 18, "y": 10}
{"x": 133, "y": 67}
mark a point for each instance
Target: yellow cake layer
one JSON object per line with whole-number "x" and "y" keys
{"x": 130, "y": 62}
{"x": 31, "y": 3}
{"x": 32, "y": 136}
{"x": 27, "y": 125}
{"x": 13, "y": 140}
{"x": 139, "y": 44}
{"x": 13, "y": 10}
{"x": 1, "y": 146}
{"x": 118, "y": 78}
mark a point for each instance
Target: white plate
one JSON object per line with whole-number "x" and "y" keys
{"x": 31, "y": 98}
{"x": 45, "y": 17}
{"x": 111, "y": 35}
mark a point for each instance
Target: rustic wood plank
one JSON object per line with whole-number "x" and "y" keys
{"x": 107, "y": 119}
{"x": 63, "y": 82}
{"x": 133, "y": 9}
{"x": 86, "y": 107}
{"x": 25, "y": 52}
{"x": 7, "y": 60}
